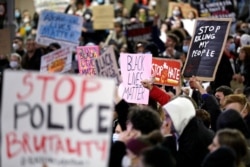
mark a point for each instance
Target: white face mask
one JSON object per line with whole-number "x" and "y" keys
{"x": 126, "y": 161}
{"x": 153, "y": 3}
{"x": 115, "y": 137}
{"x": 15, "y": 46}
{"x": 26, "y": 20}
{"x": 14, "y": 64}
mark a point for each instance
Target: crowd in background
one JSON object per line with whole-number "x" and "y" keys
{"x": 209, "y": 127}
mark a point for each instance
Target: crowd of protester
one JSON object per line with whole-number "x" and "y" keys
{"x": 208, "y": 128}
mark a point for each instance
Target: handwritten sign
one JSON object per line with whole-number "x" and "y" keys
{"x": 59, "y": 27}
{"x": 134, "y": 69}
{"x": 220, "y": 9}
{"x": 57, "y": 61}
{"x": 185, "y": 8}
{"x": 5, "y": 42}
{"x": 86, "y": 56}
{"x": 57, "y": 6}
{"x": 166, "y": 71}
{"x": 106, "y": 65}
{"x": 206, "y": 48}
{"x": 53, "y": 119}
{"x": 103, "y": 17}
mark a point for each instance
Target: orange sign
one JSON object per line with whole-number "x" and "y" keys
{"x": 166, "y": 71}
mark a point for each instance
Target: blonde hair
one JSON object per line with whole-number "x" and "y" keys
{"x": 16, "y": 55}
{"x": 237, "y": 98}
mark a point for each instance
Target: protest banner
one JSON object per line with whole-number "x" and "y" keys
{"x": 59, "y": 27}
{"x": 58, "y": 61}
{"x": 103, "y": 17}
{"x": 139, "y": 31}
{"x": 86, "y": 56}
{"x": 206, "y": 48}
{"x": 52, "y": 119}
{"x": 161, "y": 7}
{"x": 185, "y": 8}
{"x": 166, "y": 71}
{"x": 5, "y": 43}
{"x": 220, "y": 9}
{"x": 56, "y": 6}
{"x": 106, "y": 65}
{"x": 134, "y": 69}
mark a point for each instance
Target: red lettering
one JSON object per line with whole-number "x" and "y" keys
{"x": 72, "y": 150}
{"x": 87, "y": 145}
{"x": 72, "y": 87}
{"x": 45, "y": 80}
{"x": 39, "y": 146}
{"x": 86, "y": 88}
{"x": 102, "y": 147}
{"x": 26, "y": 82}
{"x": 13, "y": 146}
{"x": 59, "y": 145}
{"x": 25, "y": 143}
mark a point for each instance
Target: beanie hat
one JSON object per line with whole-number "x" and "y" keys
{"x": 245, "y": 40}
{"x": 137, "y": 145}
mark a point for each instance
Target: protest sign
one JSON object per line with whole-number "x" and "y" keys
{"x": 86, "y": 56}
{"x": 59, "y": 27}
{"x": 206, "y": 48}
{"x": 57, "y": 6}
{"x": 220, "y": 9}
{"x": 134, "y": 69}
{"x": 5, "y": 43}
{"x": 139, "y": 31}
{"x": 185, "y": 9}
{"x": 166, "y": 71}
{"x": 52, "y": 119}
{"x": 161, "y": 7}
{"x": 106, "y": 65}
{"x": 58, "y": 61}
{"x": 103, "y": 17}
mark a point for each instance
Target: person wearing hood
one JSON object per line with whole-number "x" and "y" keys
{"x": 15, "y": 61}
{"x": 192, "y": 136}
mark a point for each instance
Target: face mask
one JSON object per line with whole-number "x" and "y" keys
{"x": 126, "y": 161}
{"x": 176, "y": 12}
{"x": 15, "y": 46}
{"x": 14, "y": 64}
{"x": 26, "y": 20}
{"x": 185, "y": 48}
{"x": 115, "y": 137}
{"x": 232, "y": 47}
{"x": 17, "y": 14}
{"x": 87, "y": 16}
{"x": 27, "y": 28}
{"x": 153, "y": 3}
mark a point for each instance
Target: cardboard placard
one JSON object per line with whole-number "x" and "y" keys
{"x": 206, "y": 48}
{"x": 185, "y": 8}
{"x": 134, "y": 69}
{"x": 57, "y": 6}
{"x": 59, "y": 27}
{"x": 106, "y": 65}
{"x": 58, "y": 61}
{"x": 103, "y": 17}
{"x": 166, "y": 71}
{"x": 5, "y": 43}
{"x": 52, "y": 119}
{"x": 86, "y": 56}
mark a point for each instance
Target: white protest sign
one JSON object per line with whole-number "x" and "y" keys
{"x": 59, "y": 27}
{"x": 55, "y": 5}
{"x": 53, "y": 119}
{"x": 58, "y": 61}
{"x": 106, "y": 65}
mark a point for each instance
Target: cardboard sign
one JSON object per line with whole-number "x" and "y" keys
{"x": 103, "y": 17}
{"x": 206, "y": 48}
{"x": 134, "y": 69}
{"x": 139, "y": 31}
{"x": 221, "y": 9}
{"x": 86, "y": 56}
{"x": 185, "y": 8}
{"x": 57, "y": 6}
{"x": 106, "y": 65}
{"x": 52, "y": 119}
{"x": 57, "y": 61}
{"x": 5, "y": 42}
{"x": 166, "y": 71}
{"x": 59, "y": 27}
